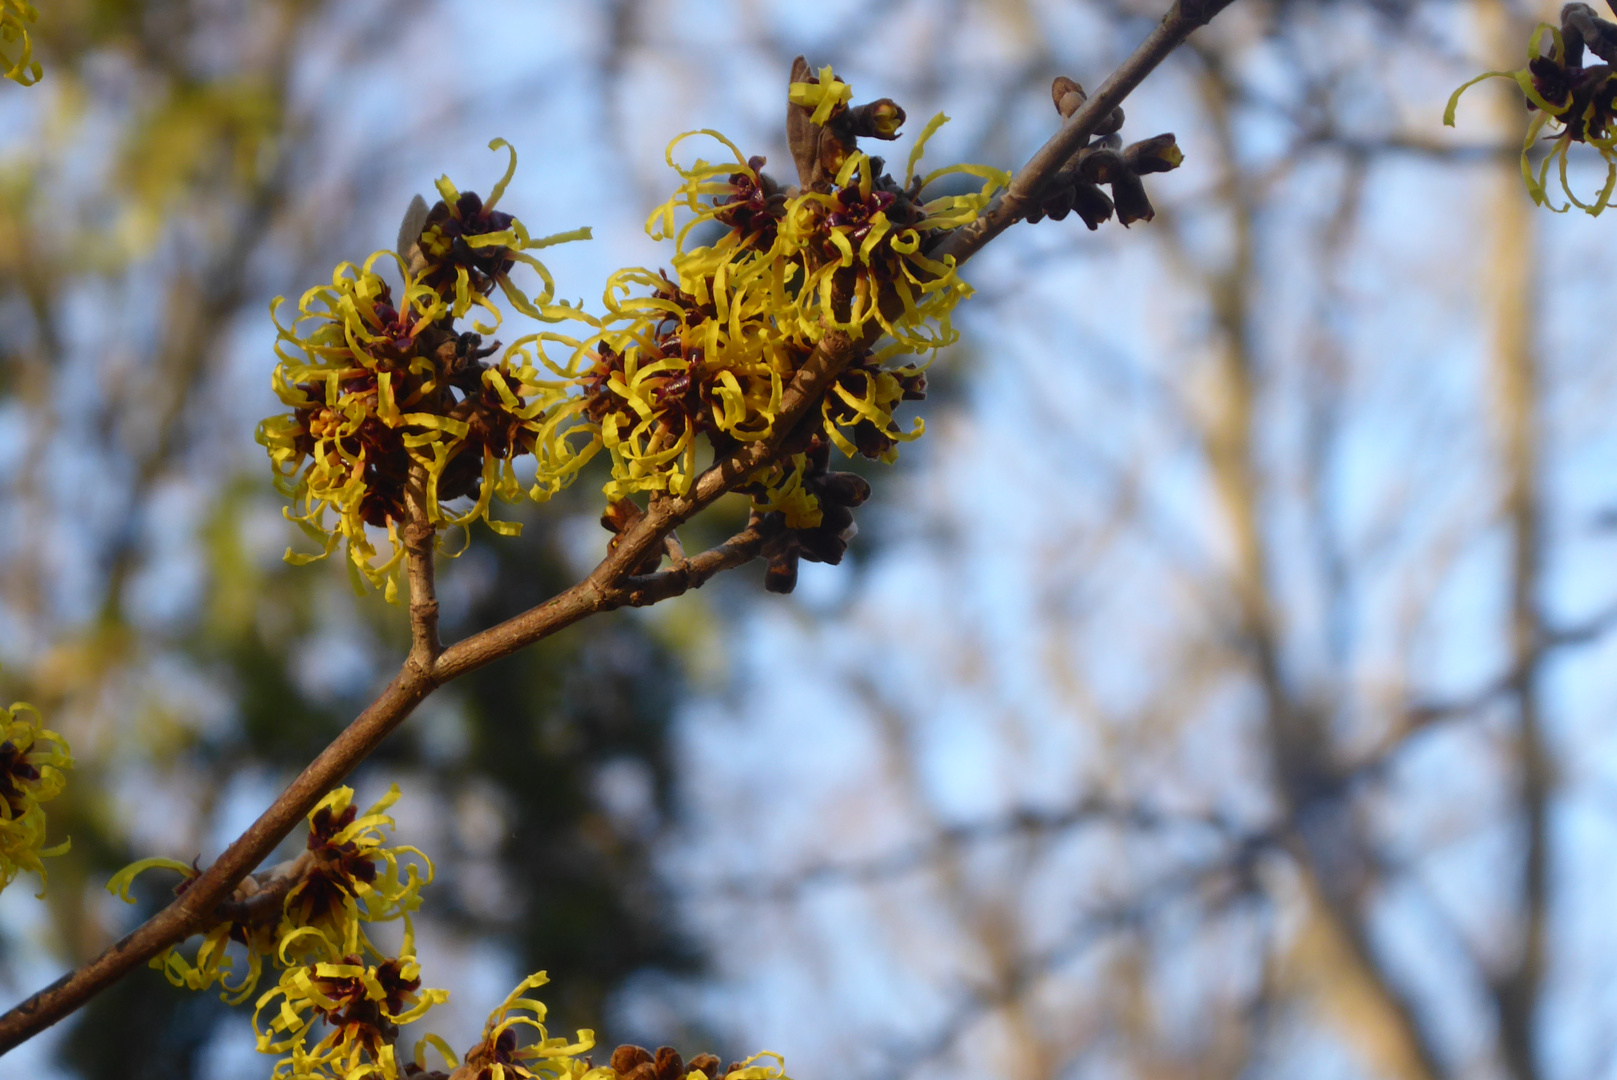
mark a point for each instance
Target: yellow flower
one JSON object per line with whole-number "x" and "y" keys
{"x": 469, "y": 247}
{"x": 354, "y": 877}
{"x": 825, "y": 95}
{"x": 1570, "y": 103}
{"x": 508, "y": 1052}
{"x": 32, "y": 758}
{"x": 344, "y": 877}
{"x": 16, "y": 48}
{"x": 361, "y": 1006}
{"x": 704, "y": 354}
{"x": 382, "y": 389}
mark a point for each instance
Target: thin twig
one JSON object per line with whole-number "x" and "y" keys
{"x": 675, "y": 549}
{"x": 1421, "y": 716}
{"x": 688, "y": 573}
{"x": 610, "y": 585}
{"x": 1022, "y": 822}
{"x": 1231, "y": 870}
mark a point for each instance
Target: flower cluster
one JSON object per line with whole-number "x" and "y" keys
{"x": 696, "y": 361}
{"x": 360, "y": 1008}
{"x": 337, "y": 1007}
{"x": 1570, "y": 102}
{"x": 16, "y": 47}
{"x": 1104, "y": 160}
{"x": 392, "y": 404}
{"x": 32, "y": 758}
{"x": 391, "y": 400}
{"x": 516, "y": 1046}
{"x": 310, "y": 910}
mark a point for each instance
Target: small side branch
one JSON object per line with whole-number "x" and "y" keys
{"x": 688, "y": 574}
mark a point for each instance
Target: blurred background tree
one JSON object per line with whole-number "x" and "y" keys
{"x": 1220, "y": 689}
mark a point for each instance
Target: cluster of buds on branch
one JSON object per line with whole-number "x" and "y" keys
{"x": 32, "y": 758}
{"x": 1570, "y": 102}
{"x": 16, "y": 47}
{"x": 1076, "y": 186}
{"x": 516, "y": 1046}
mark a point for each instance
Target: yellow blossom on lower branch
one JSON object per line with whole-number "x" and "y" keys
{"x": 359, "y": 1008}
{"x": 307, "y": 907}
{"x": 338, "y": 1003}
{"x": 516, "y": 1046}
{"x": 32, "y": 758}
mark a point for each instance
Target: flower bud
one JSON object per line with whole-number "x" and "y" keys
{"x": 620, "y": 515}
{"x": 781, "y": 574}
{"x": 627, "y": 1056}
{"x": 706, "y": 1064}
{"x": 1154, "y": 155}
{"x": 880, "y": 119}
{"x": 1068, "y": 96}
{"x": 843, "y": 489}
{"x": 1132, "y": 202}
{"x": 1092, "y": 204}
{"x": 670, "y": 1066}
{"x": 1101, "y": 166}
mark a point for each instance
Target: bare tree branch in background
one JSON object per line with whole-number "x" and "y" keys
{"x": 1336, "y": 737}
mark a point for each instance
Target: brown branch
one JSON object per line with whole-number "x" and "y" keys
{"x": 607, "y": 587}
{"x": 1012, "y": 204}
{"x": 610, "y": 585}
{"x": 1319, "y": 828}
{"x": 1516, "y": 381}
{"x": 674, "y": 549}
{"x": 1230, "y": 872}
{"x": 1421, "y": 716}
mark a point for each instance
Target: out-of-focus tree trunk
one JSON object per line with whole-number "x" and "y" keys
{"x": 1509, "y": 285}
{"x": 1333, "y": 957}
